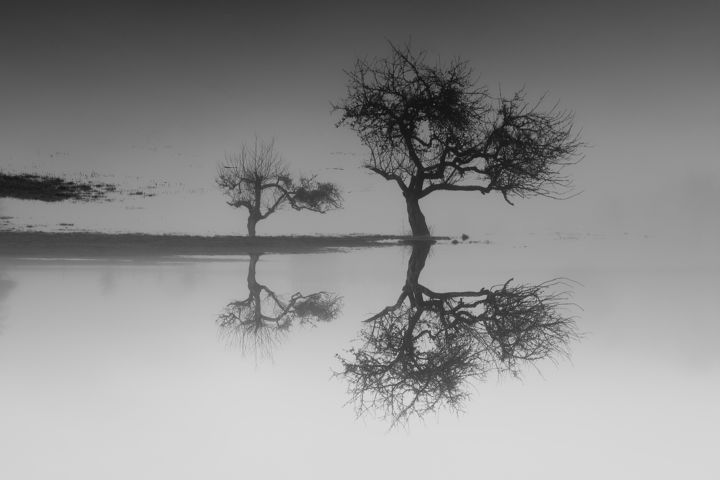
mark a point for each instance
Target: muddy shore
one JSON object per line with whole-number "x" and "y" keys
{"x": 135, "y": 245}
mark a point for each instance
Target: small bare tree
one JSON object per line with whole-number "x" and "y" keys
{"x": 258, "y": 179}
{"x": 256, "y": 324}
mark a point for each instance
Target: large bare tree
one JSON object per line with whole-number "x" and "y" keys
{"x": 258, "y": 179}
{"x": 430, "y": 128}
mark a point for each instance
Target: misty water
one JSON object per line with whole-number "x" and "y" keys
{"x": 160, "y": 369}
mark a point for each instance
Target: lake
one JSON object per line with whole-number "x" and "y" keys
{"x": 264, "y": 366}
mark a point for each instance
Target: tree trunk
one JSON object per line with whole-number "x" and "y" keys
{"x": 252, "y": 267}
{"x": 251, "y": 222}
{"x": 420, "y": 252}
{"x": 254, "y": 215}
{"x": 415, "y": 216}
{"x": 254, "y": 289}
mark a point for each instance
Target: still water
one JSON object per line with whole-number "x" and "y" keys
{"x": 390, "y": 362}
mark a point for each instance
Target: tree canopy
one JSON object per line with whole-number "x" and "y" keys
{"x": 429, "y": 128}
{"x": 258, "y": 179}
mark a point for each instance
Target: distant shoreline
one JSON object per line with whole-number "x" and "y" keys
{"x": 92, "y": 245}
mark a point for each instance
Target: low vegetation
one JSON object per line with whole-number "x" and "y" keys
{"x": 48, "y": 188}
{"x": 35, "y": 244}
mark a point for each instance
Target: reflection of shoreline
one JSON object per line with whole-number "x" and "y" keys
{"x": 256, "y": 323}
{"x": 6, "y": 286}
{"x": 419, "y": 355}
{"x": 130, "y": 245}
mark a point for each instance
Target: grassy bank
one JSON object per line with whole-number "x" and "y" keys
{"x": 48, "y": 188}
{"x": 133, "y": 245}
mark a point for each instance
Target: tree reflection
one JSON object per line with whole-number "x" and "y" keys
{"x": 257, "y": 323}
{"x": 417, "y": 355}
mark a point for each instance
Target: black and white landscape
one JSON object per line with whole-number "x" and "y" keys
{"x": 359, "y": 240}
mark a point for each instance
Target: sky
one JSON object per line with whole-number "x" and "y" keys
{"x": 163, "y": 92}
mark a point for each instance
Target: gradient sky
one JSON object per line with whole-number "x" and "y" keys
{"x": 165, "y": 91}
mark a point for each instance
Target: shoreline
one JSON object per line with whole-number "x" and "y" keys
{"x": 95, "y": 245}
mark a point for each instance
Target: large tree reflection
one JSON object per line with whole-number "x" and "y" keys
{"x": 257, "y": 323}
{"x": 417, "y": 355}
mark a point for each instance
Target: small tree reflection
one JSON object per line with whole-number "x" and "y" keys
{"x": 417, "y": 355}
{"x": 257, "y": 323}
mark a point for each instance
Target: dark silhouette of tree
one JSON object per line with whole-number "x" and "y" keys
{"x": 419, "y": 354}
{"x": 429, "y": 128}
{"x": 258, "y": 322}
{"x": 257, "y": 179}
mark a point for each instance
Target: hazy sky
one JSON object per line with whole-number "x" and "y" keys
{"x": 165, "y": 91}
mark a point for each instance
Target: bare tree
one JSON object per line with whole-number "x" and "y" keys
{"x": 429, "y": 128}
{"x": 258, "y": 179}
{"x": 257, "y": 323}
{"x": 418, "y": 355}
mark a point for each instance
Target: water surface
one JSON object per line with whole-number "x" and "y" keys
{"x": 140, "y": 370}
